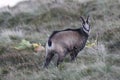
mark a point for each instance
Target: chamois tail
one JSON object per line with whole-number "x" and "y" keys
{"x": 49, "y": 43}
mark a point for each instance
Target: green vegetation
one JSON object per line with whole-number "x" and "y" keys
{"x": 98, "y": 62}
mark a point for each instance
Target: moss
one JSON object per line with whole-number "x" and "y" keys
{"x": 14, "y": 21}
{"x": 2, "y": 50}
{"x": 5, "y": 71}
{"x": 4, "y": 16}
{"x": 20, "y": 18}
{"x": 112, "y": 37}
{"x": 53, "y": 15}
{"x": 1, "y": 21}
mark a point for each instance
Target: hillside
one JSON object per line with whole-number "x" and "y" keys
{"x": 33, "y": 21}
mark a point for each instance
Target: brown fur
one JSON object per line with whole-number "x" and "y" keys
{"x": 66, "y": 41}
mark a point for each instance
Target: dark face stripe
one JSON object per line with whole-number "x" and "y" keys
{"x": 85, "y": 28}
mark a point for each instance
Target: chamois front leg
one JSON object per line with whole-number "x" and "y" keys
{"x": 74, "y": 55}
{"x": 60, "y": 58}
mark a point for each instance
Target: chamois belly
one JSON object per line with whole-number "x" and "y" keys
{"x": 75, "y": 44}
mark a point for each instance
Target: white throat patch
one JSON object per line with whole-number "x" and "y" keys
{"x": 86, "y": 28}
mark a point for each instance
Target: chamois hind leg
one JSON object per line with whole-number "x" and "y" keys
{"x": 48, "y": 59}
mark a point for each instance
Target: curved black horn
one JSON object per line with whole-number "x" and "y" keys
{"x": 87, "y": 20}
{"x": 82, "y": 19}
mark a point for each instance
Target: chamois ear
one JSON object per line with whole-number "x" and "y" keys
{"x": 83, "y": 21}
{"x": 87, "y": 20}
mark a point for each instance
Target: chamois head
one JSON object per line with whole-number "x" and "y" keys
{"x": 85, "y": 24}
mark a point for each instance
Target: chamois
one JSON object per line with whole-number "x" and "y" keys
{"x": 66, "y": 41}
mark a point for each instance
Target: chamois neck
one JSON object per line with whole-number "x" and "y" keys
{"x": 83, "y": 32}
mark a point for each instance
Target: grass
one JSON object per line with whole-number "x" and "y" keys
{"x": 99, "y": 62}
{"x": 90, "y": 64}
